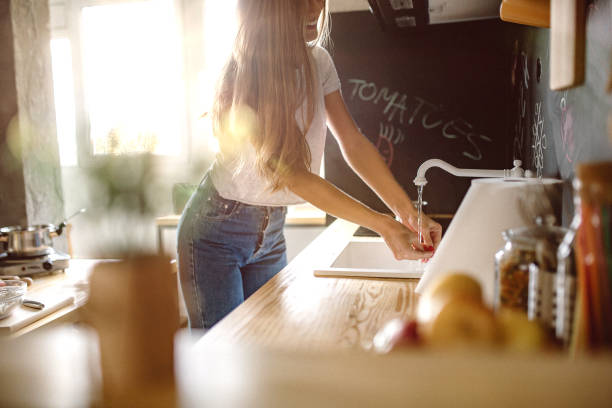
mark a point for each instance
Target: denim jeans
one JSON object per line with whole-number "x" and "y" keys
{"x": 226, "y": 251}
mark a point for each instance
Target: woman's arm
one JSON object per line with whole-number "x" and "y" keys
{"x": 365, "y": 160}
{"x": 324, "y": 195}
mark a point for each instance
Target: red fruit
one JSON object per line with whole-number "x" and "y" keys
{"x": 395, "y": 334}
{"x": 411, "y": 332}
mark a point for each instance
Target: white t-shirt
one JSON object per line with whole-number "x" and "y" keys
{"x": 250, "y": 187}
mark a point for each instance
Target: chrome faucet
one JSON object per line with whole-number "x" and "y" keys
{"x": 420, "y": 180}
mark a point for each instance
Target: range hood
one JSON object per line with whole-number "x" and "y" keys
{"x": 405, "y": 14}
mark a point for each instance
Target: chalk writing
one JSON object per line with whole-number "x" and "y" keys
{"x": 539, "y": 140}
{"x": 369, "y": 92}
{"x": 471, "y": 137}
{"x": 567, "y": 128}
{"x": 404, "y": 110}
{"x": 523, "y": 87}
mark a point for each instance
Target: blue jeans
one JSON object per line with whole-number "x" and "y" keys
{"x": 226, "y": 251}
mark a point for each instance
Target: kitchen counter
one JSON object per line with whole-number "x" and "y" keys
{"x": 72, "y": 282}
{"x": 297, "y": 311}
{"x": 254, "y": 377}
{"x": 299, "y": 342}
{"x": 304, "y": 341}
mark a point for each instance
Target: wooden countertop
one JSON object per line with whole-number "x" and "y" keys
{"x": 74, "y": 280}
{"x": 246, "y": 377}
{"x": 299, "y": 342}
{"x": 302, "y": 341}
{"x": 296, "y": 310}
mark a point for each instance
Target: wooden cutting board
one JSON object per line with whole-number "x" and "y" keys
{"x": 53, "y": 299}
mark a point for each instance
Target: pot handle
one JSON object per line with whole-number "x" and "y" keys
{"x": 62, "y": 225}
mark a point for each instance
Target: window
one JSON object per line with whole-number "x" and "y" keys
{"x": 129, "y": 89}
{"x": 219, "y": 31}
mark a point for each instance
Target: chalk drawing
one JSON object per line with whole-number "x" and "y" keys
{"x": 539, "y": 139}
{"x": 391, "y": 133}
{"x": 567, "y": 128}
{"x": 384, "y": 144}
{"x": 519, "y": 126}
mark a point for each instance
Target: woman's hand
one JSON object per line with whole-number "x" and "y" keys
{"x": 431, "y": 230}
{"x": 403, "y": 242}
{"x": 365, "y": 160}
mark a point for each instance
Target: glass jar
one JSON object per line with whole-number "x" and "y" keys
{"x": 566, "y": 283}
{"x": 523, "y": 247}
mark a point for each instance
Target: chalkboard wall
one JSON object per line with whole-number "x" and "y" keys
{"x": 475, "y": 94}
{"x": 552, "y": 131}
{"x": 558, "y": 129}
{"x": 439, "y": 92}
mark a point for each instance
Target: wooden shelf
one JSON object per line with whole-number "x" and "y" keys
{"x": 527, "y": 12}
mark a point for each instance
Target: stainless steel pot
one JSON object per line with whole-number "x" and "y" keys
{"x": 18, "y": 241}
{"x": 29, "y": 241}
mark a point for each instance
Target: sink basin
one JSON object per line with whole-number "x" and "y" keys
{"x": 370, "y": 257}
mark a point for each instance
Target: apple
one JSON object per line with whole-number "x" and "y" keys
{"x": 519, "y": 333}
{"x": 463, "y": 322}
{"x": 444, "y": 289}
{"x": 456, "y": 284}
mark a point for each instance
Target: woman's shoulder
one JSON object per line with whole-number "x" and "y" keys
{"x": 326, "y": 69}
{"x": 321, "y": 55}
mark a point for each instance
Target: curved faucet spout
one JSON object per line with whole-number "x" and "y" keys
{"x": 420, "y": 179}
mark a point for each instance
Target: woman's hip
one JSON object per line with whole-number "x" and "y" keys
{"x": 210, "y": 218}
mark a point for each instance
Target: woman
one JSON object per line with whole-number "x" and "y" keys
{"x": 276, "y": 96}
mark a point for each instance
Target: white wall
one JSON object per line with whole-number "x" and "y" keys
{"x": 298, "y": 237}
{"x": 445, "y": 11}
{"x": 348, "y": 5}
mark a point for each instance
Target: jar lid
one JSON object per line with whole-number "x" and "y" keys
{"x": 529, "y": 236}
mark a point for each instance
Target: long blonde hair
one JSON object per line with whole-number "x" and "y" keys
{"x": 261, "y": 85}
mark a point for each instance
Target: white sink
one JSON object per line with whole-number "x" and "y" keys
{"x": 370, "y": 257}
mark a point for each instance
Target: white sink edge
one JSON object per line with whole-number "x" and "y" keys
{"x": 328, "y": 270}
{"x": 368, "y": 273}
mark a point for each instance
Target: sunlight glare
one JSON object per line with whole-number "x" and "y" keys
{"x": 220, "y": 27}
{"x": 132, "y": 79}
